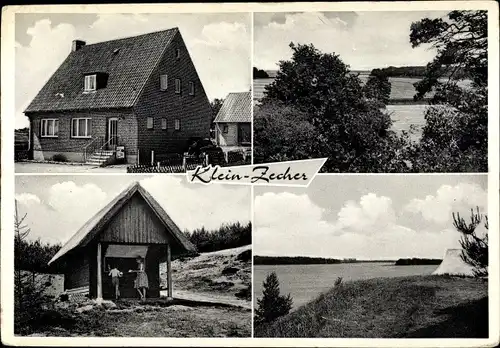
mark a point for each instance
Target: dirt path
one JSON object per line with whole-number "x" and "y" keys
{"x": 212, "y": 298}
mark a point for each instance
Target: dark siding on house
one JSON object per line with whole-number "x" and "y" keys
{"x": 135, "y": 223}
{"x": 127, "y": 130}
{"x": 194, "y": 112}
{"x": 77, "y": 275}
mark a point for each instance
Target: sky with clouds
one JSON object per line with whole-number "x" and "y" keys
{"x": 364, "y": 40}
{"x": 366, "y": 217}
{"x": 57, "y": 206}
{"x": 219, "y": 45}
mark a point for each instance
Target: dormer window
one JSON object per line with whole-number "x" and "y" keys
{"x": 95, "y": 80}
{"x": 90, "y": 83}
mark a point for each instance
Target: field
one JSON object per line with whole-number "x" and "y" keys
{"x": 211, "y": 299}
{"x": 403, "y": 307}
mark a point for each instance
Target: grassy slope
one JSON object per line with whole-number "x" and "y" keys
{"x": 418, "y": 306}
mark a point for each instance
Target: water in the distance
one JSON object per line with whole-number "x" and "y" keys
{"x": 306, "y": 282}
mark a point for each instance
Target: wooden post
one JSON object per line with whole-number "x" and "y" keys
{"x": 99, "y": 273}
{"x": 152, "y": 158}
{"x": 184, "y": 162}
{"x": 169, "y": 273}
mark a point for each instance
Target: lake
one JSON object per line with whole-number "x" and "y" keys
{"x": 306, "y": 282}
{"x": 403, "y": 116}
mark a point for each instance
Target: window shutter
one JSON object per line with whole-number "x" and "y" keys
{"x": 150, "y": 123}
{"x": 177, "y": 124}
{"x": 177, "y": 86}
{"x": 163, "y": 82}
{"x": 163, "y": 123}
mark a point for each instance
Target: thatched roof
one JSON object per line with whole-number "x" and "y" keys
{"x": 95, "y": 224}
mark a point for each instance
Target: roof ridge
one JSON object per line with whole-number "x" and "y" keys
{"x": 132, "y": 37}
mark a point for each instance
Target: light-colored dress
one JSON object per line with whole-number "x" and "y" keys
{"x": 142, "y": 278}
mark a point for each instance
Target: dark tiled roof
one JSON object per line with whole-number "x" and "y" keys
{"x": 128, "y": 63}
{"x": 236, "y": 108}
{"x": 93, "y": 226}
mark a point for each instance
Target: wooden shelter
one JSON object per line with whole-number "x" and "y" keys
{"x": 133, "y": 224}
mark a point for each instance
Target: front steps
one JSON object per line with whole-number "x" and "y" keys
{"x": 101, "y": 158}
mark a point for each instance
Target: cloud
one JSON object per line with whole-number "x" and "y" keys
{"x": 292, "y": 224}
{"x": 83, "y": 200}
{"x": 370, "y": 213}
{"x": 220, "y": 49}
{"x": 36, "y": 62}
{"x": 358, "y": 38}
{"x": 27, "y": 198}
{"x": 438, "y": 208}
{"x": 195, "y": 206}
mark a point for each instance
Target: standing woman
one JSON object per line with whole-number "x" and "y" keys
{"x": 141, "y": 282}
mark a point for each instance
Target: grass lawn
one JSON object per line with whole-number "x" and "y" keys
{"x": 417, "y": 306}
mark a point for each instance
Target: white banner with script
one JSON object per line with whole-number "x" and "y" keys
{"x": 290, "y": 173}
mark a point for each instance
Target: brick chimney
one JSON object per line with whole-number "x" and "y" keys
{"x": 77, "y": 44}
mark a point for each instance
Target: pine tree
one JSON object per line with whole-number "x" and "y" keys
{"x": 474, "y": 247}
{"x": 272, "y": 305}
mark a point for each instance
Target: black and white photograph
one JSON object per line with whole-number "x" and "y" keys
{"x": 136, "y": 93}
{"x": 367, "y": 257}
{"x": 378, "y": 91}
{"x": 306, "y": 174}
{"x": 131, "y": 256}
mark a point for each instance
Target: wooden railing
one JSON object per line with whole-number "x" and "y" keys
{"x": 91, "y": 147}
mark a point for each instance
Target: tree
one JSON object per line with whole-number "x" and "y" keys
{"x": 259, "y": 74}
{"x": 474, "y": 246}
{"x": 350, "y": 130}
{"x": 29, "y": 291}
{"x": 378, "y": 87}
{"x": 272, "y": 305}
{"x": 455, "y": 136}
{"x": 215, "y": 105}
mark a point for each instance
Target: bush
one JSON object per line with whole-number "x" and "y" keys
{"x": 59, "y": 157}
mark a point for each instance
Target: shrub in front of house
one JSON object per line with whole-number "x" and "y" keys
{"x": 59, "y": 157}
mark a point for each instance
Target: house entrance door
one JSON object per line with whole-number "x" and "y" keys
{"x": 112, "y": 133}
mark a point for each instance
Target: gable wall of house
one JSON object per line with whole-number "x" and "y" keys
{"x": 231, "y": 137}
{"x": 44, "y": 148}
{"x": 193, "y": 111}
{"x": 135, "y": 223}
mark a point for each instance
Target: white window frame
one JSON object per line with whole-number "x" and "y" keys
{"x": 178, "y": 53}
{"x": 150, "y": 123}
{"x": 163, "y": 82}
{"x": 164, "y": 123}
{"x": 177, "y": 124}
{"x": 77, "y": 120}
{"x": 88, "y": 80}
{"x": 225, "y": 128}
{"x": 44, "y": 128}
{"x": 178, "y": 86}
{"x": 191, "y": 88}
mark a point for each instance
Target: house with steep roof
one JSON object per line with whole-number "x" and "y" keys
{"x": 233, "y": 122}
{"x": 132, "y": 225}
{"x": 138, "y": 94}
